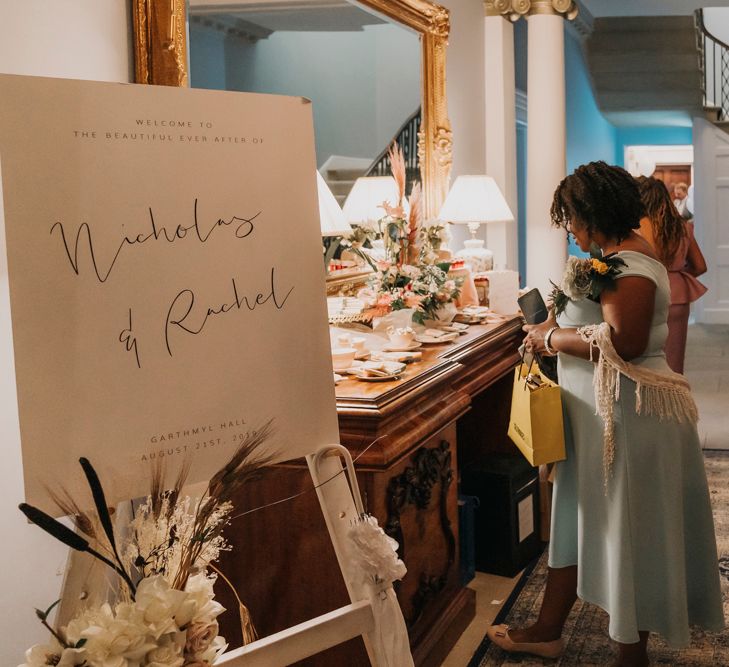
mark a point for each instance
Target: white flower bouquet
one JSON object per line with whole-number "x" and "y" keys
{"x": 162, "y": 627}
{"x": 164, "y": 613}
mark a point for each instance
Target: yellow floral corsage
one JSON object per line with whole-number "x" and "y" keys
{"x": 586, "y": 278}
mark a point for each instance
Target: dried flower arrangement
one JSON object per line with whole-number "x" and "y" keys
{"x": 410, "y": 275}
{"x": 164, "y": 612}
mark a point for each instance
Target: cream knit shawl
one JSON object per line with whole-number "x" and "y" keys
{"x": 666, "y": 394}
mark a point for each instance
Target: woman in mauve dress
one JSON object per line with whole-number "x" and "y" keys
{"x": 672, "y": 239}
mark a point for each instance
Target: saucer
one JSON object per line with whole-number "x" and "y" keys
{"x": 445, "y": 338}
{"x": 398, "y": 348}
{"x": 378, "y": 378}
{"x": 454, "y": 327}
{"x": 353, "y": 369}
{"x": 363, "y": 355}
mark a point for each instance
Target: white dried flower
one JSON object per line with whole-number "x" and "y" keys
{"x": 199, "y": 605}
{"x": 373, "y": 552}
{"x": 117, "y": 640}
{"x": 164, "y": 656}
{"x": 152, "y": 537}
{"x": 158, "y": 604}
{"x": 43, "y": 655}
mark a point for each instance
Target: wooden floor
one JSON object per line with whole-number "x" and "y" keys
{"x": 707, "y": 368}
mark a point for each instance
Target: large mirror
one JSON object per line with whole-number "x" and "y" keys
{"x": 328, "y": 51}
{"x": 361, "y": 72}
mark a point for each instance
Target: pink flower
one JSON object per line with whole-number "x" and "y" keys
{"x": 413, "y": 300}
{"x": 384, "y": 300}
{"x": 393, "y": 211}
{"x": 383, "y": 265}
{"x": 199, "y": 637}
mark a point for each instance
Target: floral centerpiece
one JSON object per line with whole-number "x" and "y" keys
{"x": 586, "y": 278}
{"x": 410, "y": 275}
{"x": 164, "y": 611}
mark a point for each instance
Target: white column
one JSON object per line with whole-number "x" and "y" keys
{"x": 546, "y": 152}
{"x": 501, "y": 238}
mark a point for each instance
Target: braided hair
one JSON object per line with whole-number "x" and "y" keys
{"x": 669, "y": 228}
{"x": 602, "y": 197}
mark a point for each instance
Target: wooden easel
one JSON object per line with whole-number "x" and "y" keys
{"x": 332, "y": 472}
{"x": 341, "y": 503}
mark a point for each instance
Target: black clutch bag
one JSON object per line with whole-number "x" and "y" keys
{"x": 535, "y": 311}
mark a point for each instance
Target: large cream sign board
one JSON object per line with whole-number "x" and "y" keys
{"x": 166, "y": 278}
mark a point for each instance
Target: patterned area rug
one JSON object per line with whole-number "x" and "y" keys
{"x": 586, "y": 634}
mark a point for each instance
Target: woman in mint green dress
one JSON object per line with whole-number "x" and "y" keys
{"x": 632, "y": 529}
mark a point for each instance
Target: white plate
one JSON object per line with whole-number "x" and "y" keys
{"x": 378, "y": 378}
{"x": 455, "y": 327}
{"x": 445, "y": 338}
{"x": 396, "y": 348}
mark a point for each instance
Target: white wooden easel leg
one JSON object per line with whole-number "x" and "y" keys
{"x": 86, "y": 580}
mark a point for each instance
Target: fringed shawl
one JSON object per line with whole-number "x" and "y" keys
{"x": 664, "y": 394}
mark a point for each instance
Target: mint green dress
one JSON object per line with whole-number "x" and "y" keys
{"x": 645, "y": 549}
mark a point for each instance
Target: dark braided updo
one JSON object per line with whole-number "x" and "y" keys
{"x": 602, "y": 197}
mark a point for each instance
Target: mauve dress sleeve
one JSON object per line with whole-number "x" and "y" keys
{"x": 685, "y": 288}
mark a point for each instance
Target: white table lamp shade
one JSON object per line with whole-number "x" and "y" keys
{"x": 331, "y": 217}
{"x": 363, "y": 205}
{"x": 474, "y": 200}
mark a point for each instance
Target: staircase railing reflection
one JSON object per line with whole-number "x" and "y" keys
{"x": 407, "y": 139}
{"x": 714, "y": 63}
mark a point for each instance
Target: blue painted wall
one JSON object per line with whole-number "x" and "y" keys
{"x": 590, "y": 136}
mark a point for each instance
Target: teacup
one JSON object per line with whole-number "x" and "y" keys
{"x": 342, "y": 357}
{"x": 344, "y": 340}
{"x": 358, "y": 343}
{"x": 400, "y": 337}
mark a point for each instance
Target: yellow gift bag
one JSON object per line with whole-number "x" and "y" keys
{"x": 535, "y": 424}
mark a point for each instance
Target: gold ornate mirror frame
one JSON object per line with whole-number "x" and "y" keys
{"x": 160, "y": 50}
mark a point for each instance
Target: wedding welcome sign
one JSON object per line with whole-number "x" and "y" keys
{"x": 166, "y": 279}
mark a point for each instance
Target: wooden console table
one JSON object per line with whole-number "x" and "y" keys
{"x": 447, "y": 409}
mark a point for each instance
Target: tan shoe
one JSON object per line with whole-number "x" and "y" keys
{"x": 499, "y": 635}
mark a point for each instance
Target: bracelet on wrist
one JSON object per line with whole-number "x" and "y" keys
{"x": 547, "y": 338}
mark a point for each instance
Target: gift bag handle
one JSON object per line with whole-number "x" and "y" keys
{"x": 522, "y": 363}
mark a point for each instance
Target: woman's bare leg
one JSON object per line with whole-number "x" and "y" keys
{"x": 559, "y": 598}
{"x": 633, "y": 655}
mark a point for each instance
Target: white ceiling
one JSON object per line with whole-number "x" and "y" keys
{"x": 296, "y": 15}
{"x": 649, "y": 7}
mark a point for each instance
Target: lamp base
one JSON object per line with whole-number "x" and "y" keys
{"x": 476, "y": 256}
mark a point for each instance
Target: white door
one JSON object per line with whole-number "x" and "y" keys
{"x": 711, "y": 201}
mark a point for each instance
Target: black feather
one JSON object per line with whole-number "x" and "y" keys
{"x": 99, "y": 500}
{"x": 55, "y": 528}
